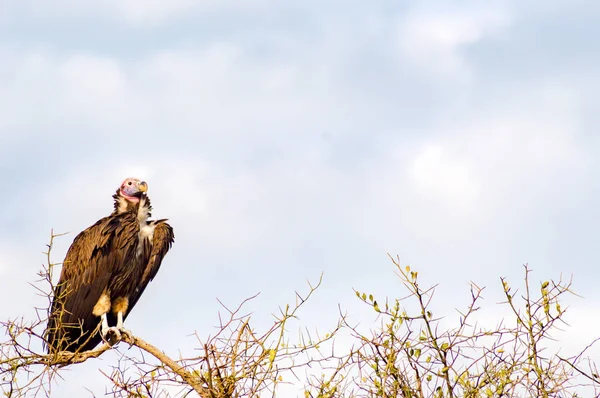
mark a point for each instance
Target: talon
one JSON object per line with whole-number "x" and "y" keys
{"x": 126, "y": 333}
{"x": 112, "y": 335}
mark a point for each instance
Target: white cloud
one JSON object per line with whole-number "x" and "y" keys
{"x": 87, "y": 76}
{"x": 212, "y": 92}
{"x": 140, "y": 12}
{"x": 502, "y": 159}
{"x": 436, "y": 172}
{"x": 7, "y": 260}
{"x": 434, "y": 37}
{"x": 135, "y": 13}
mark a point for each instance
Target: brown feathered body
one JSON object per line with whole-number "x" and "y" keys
{"x": 106, "y": 270}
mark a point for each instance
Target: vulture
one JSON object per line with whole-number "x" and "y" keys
{"x": 105, "y": 272}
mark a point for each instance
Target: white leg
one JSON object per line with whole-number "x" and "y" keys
{"x": 110, "y": 334}
{"x": 120, "y": 326}
{"x": 105, "y": 327}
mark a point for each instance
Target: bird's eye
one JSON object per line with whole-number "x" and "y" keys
{"x": 129, "y": 183}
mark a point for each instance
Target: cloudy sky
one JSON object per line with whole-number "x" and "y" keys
{"x": 288, "y": 139}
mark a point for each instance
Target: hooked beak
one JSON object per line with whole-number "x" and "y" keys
{"x": 142, "y": 186}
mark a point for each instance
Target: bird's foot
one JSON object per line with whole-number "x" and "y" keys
{"x": 111, "y": 335}
{"x": 125, "y": 333}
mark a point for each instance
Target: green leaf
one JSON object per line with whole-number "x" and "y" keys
{"x": 271, "y": 355}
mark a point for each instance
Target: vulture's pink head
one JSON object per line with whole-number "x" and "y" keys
{"x": 132, "y": 189}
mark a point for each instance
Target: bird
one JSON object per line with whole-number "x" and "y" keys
{"x": 105, "y": 271}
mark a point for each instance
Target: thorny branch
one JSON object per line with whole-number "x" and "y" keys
{"x": 410, "y": 353}
{"x": 237, "y": 361}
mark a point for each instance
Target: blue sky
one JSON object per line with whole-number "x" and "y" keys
{"x": 288, "y": 139}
